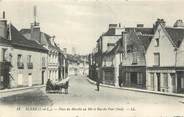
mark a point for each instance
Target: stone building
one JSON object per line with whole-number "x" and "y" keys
{"x": 164, "y": 56}
{"x": 105, "y": 44}
{"x": 28, "y": 59}
{"x": 133, "y": 63}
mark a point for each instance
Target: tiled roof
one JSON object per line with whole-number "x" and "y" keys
{"x": 110, "y": 32}
{"x": 17, "y": 39}
{"x": 176, "y": 34}
{"x": 132, "y": 38}
{"x": 23, "y": 31}
{"x": 117, "y": 49}
{"x": 142, "y": 30}
{"x": 145, "y": 40}
{"x": 4, "y": 41}
{"x": 48, "y": 38}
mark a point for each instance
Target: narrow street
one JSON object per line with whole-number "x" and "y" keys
{"x": 81, "y": 92}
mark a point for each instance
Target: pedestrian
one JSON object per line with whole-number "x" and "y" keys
{"x": 98, "y": 79}
{"x": 98, "y": 85}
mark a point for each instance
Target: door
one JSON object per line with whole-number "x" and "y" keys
{"x": 134, "y": 78}
{"x": 173, "y": 82}
{"x": 30, "y": 80}
{"x": 180, "y": 82}
{"x": 43, "y": 77}
{"x": 20, "y": 79}
{"x": 158, "y": 81}
{"x": 1, "y": 82}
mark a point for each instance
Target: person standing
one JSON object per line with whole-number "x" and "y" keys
{"x": 98, "y": 79}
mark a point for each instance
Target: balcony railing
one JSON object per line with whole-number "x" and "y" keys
{"x": 30, "y": 65}
{"x": 20, "y": 65}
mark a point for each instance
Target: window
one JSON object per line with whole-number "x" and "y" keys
{"x": 112, "y": 63}
{"x": 165, "y": 78}
{"x": 43, "y": 61}
{"x": 157, "y": 59}
{"x": 29, "y": 58}
{"x": 182, "y": 83}
{"x": 134, "y": 61}
{"x": 140, "y": 78}
{"x": 156, "y": 42}
{"x": 173, "y": 78}
{"x": 3, "y": 54}
{"x": 104, "y": 62}
{"x": 29, "y": 62}
{"x": 19, "y": 58}
{"x": 19, "y": 62}
{"x": 127, "y": 74}
{"x": 129, "y": 48}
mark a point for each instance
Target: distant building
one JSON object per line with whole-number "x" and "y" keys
{"x": 73, "y": 64}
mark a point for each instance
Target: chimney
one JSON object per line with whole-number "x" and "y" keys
{"x": 179, "y": 23}
{"x": 113, "y": 26}
{"x": 140, "y": 25}
{"x": 124, "y": 35}
{"x": 35, "y": 32}
{"x": 159, "y": 21}
{"x": 35, "y": 28}
{"x": 3, "y": 14}
{"x": 3, "y": 27}
{"x": 119, "y": 25}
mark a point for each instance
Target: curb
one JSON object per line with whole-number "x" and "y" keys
{"x": 19, "y": 89}
{"x": 138, "y": 90}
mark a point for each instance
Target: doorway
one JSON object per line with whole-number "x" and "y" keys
{"x": 20, "y": 80}
{"x": 158, "y": 81}
{"x": 29, "y": 79}
{"x": 133, "y": 78}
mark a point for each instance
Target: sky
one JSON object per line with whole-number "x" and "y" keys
{"x": 79, "y": 23}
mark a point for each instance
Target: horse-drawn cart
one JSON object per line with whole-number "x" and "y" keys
{"x": 57, "y": 87}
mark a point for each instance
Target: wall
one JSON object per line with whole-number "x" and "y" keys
{"x": 180, "y": 55}
{"x": 166, "y": 50}
{"x": 36, "y": 71}
{"x": 108, "y": 39}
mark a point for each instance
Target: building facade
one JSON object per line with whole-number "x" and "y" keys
{"x": 28, "y": 59}
{"x": 56, "y": 57}
{"x": 105, "y": 44}
{"x": 133, "y": 65}
{"x": 164, "y": 59}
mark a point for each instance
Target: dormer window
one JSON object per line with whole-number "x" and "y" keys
{"x": 156, "y": 42}
{"x": 134, "y": 61}
{"x": 129, "y": 48}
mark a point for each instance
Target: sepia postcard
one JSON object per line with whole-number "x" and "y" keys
{"x": 91, "y": 58}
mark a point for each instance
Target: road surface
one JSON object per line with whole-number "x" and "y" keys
{"x": 83, "y": 93}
